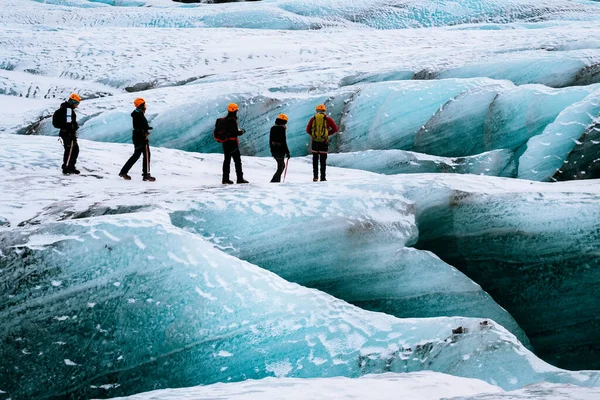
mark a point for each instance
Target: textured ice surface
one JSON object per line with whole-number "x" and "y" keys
{"x": 342, "y": 235}
{"x": 98, "y": 279}
{"x": 533, "y": 251}
{"x": 114, "y": 299}
{"x": 389, "y": 162}
{"x": 302, "y": 14}
{"x": 547, "y": 152}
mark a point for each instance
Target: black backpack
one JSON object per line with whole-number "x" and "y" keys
{"x": 220, "y": 133}
{"x": 56, "y": 119}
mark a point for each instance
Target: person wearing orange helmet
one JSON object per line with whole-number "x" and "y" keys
{"x": 141, "y": 144}
{"x": 320, "y": 127}
{"x": 231, "y": 145}
{"x": 65, "y": 120}
{"x": 279, "y": 147}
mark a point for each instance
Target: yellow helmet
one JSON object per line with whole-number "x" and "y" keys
{"x": 283, "y": 117}
{"x": 232, "y": 107}
{"x": 321, "y": 107}
{"x": 138, "y": 102}
{"x": 75, "y": 97}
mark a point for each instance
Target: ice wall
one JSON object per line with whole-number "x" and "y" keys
{"x": 389, "y": 162}
{"x": 121, "y": 304}
{"x": 534, "y": 252}
{"x": 351, "y": 246}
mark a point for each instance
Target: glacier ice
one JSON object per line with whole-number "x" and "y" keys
{"x": 342, "y": 236}
{"x": 131, "y": 301}
{"x": 547, "y": 152}
{"x": 113, "y": 256}
{"x": 389, "y": 162}
{"x": 583, "y": 160}
{"x": 533, "y": 251}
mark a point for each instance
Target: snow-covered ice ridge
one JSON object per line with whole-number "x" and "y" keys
{"x": 123, "y": 280}
{"x": 417, "y": 90}
{"x": 303, "y": 14}
{"x": 112, "y": 288}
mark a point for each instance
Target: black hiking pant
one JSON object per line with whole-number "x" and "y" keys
{"x": 280, "y": 168}
{"x": 231, "y": 150}
{"x": 139, "y": 150}
{"x": 319, "y": 150}
{"x": 71, "y": 154}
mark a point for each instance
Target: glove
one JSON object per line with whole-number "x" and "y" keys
{"x": 288, "y": 155}
{"x": 150, "y": 128}
{"x": 242, "y": 131}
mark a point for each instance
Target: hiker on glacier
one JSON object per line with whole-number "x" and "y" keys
{"x": 279, "y": 147}
{"x": 227, "y": 132}
{"x": 65, "y": 120}
{"x": 320, "y": 127}
{"x": 141, "y": 144}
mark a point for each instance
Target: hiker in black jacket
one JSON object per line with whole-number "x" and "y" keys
{"x": 279, "y": 147}
{"x": 66, "y": 120}
{"x": 231, "y": 146}
{"x": 141, "y": 144}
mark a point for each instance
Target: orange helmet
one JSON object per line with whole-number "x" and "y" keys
{"x": 75, "y": 97}
{"x": 321, "y": 107}
{"x": 138, "y": 102}
{"x": 283, "y": 117}
{"x": 232, "y": 107}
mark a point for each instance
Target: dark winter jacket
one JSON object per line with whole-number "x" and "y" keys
{"x": 232, "y": 129}
{"x": 68, "y": 130}
{"x": 278, "y": 141}
{"x": 141, "y": 129}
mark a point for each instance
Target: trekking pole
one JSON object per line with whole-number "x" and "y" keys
{"x": 286, "y": 166}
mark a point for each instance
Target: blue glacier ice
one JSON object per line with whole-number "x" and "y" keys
{"x": 389, "y": 162}
{"x": 533, "y": 251}
{"x": 546, "y": 153}
{"x": 131, "y": 302}
{"x": 338, "y": 253}
{"x": 302, "y": 14}
{"x": 389, "y": 115}
{"x": 522, "y": 112}
{"x": 457, "y": 128}
{"x": 550, "y": 71}
{"x": 94, "y": 300}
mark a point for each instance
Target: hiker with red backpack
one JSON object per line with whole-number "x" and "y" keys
{"x": 320, "y": 127}
{"x": 141, "y": 144}
{"x": 65, "y": 120}
{"x": 227, "y": 132}
{"x": 279, "y": 147}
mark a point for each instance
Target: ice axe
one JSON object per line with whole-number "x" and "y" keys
{"x": 286, "y": 166}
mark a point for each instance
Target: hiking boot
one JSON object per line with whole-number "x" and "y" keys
{"x": 323, "y": 180}
{"x": 315, "y": 179}
{"x": 74, "y": 171}
{"x": 125, "y": 176}
{"x": 227, "y": 182}
{"x": 149, "y": 178}
{"x": 66, "y": 172}
{"x": 242, "y": 181}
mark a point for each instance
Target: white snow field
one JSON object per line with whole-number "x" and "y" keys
{"x": 441, "y": 261}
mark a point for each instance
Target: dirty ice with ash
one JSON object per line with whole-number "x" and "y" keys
{"x": 452, "y": 254}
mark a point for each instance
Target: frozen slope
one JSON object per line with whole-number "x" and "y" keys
{"x": 533, "y": 250}
{"x": 95, "y": 278}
